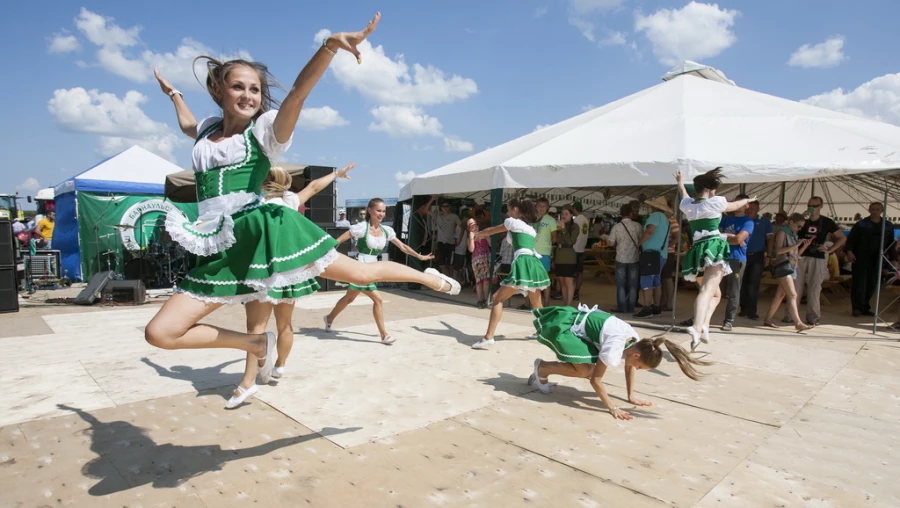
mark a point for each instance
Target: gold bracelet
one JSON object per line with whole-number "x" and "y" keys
{"x": 325, "y": 45}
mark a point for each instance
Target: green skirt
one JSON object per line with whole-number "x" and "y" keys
{"x": 276, "y": 257}
{"x": 553, "y": 326}
{"x": 527, "y": 274}
{"x": 708, "y": 251}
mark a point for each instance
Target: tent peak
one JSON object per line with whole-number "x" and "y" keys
{"x": 690, "y": 68}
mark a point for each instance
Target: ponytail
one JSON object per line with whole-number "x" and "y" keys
{"x": 651, "y": 355}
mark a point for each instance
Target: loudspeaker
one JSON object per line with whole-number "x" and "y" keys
{"x": 7, "y": 245}
{"x": 321, "y": 215}
{"x": 9, "y": 294}
{"x": 92, "y": 291}
{"x": 344, "y": 248}
{"x": 320, "y": 208}
{"x": 124, "y": 291}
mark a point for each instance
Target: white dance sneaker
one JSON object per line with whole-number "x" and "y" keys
{"x": 695, "y": 337}
{"x": 534, "y": 378}
{"x": 454, "y": 286}
{"x": 265, "y": 372}
{"x": 242, "y": 395}
{"x": 327, "y": 324}
{"x": 278, "y": 372}
{"x": 483, "y": 344}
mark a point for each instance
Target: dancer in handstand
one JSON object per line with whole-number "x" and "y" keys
{"x": 371, "y": 238}
{"x": 526, "y": 273}
{"x": 247, "y": 247}
{"x": 710, "y": 252}
{"x": 588, "y": 341}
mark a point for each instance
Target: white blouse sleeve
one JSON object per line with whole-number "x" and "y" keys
{"x": 518, "y": 226}
{"x": 613, "y": 336}
{"x": 358, "y": 230}
{"x": 264, "y": 132}
{"x": 291, "y": 200}
{"x": 206, "y": 123}
{"x": 390, "y": 233}
{"x": 718, "y": 203}
{"x": 684, "y": 203}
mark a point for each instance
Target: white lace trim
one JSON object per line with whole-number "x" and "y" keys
{"x": 213, "y": 231}
{"x": 525, "y": 252}
{"x": 278, "y": 280}
{"x": 692, "y": 277}
{"x": 527, "y": 289}
{"x": 698, "y": 235}
{"x": 261, "y": 296}
{"x": 292, "y": 256}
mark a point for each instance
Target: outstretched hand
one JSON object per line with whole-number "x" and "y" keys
{"x": 679, "y": 178}
{"x": 342, "y": 173}
{"x": 163, "y": 82}
{"x": 348, "y": 41}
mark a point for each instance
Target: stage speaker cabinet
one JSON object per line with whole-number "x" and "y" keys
{"x": 91, "y": 292}
{"x": 7, "y": 245}
{"x": 344, "y": 248}
{"x": 124, "y": 291}
{"x": 9, "y": 289}
{"x": 320, "y": 208}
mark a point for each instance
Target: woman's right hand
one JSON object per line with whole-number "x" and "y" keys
{"x": 342, "y": 173}
{"x": 679, "y": 178}
{"x": 618, "y": 414}
{"x": 163, "y": 82}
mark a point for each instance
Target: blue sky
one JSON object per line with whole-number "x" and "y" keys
{"x": 473, "y": 74}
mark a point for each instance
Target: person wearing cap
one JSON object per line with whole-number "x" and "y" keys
{"x": 580, "y": 245}
{"x": 655, "y": 240}
{"x": 342, "y": 221}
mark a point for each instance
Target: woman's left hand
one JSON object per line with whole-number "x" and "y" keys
{"x": 426, "y": 258}
{"x": 348, "y": 41}
{"x": 639, "y": 402}
{"x": 342, "y": 173}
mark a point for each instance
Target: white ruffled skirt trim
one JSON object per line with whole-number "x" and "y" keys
{"x": 213, "y": 231}
{"x": 724, "y": 264}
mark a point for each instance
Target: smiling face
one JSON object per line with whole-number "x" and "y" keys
{"x": 242, "y": 95}
{"x": 376, "y": 212}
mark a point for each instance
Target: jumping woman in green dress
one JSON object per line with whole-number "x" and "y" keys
{"x": 526, "y": 274}
{"x": 246, "y": 247}
{"x": 709, "y": 253}
{"x": 587, "y": 341}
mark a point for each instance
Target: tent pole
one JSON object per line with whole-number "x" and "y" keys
{"x": 880, "y": 258}
{"x": 677, "y": 253}
{"x": 496, "y": 218}
{"x": 781, "y": 197}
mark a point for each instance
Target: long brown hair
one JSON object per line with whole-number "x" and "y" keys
{"x": 527, "y": 210}
{"x": 651, "y": 355}
{"x": 571, "y": 227}
{"x": 277, "y": 182}
{"x": 709, "y": 180}
{"x": 217, "y": 73}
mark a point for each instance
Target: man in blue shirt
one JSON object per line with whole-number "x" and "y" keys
{"x": 737, "y": 228}
{"x": 759, "y": 249}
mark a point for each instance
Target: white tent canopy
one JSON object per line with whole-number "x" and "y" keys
{"x": 133, "y": 171}
{"x": 693, "y": 122}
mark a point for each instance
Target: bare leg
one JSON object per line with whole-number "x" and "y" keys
{"x": 481, "y": 290}
{"x": 503, "y": 294}
{"x": 176, "y": 326}
{"x": 342, "y": 304}
{"x": 283, "y": 314}
{"x": 776, "y": 302}
{"x": 568, "y": 290}
{"x": 258, "y": 314}
{"x": 377, "y": 311}
{"x": 547, "y": 369}
{"x": 713, "y": 304}
{"x": 534, "y": 298}
{"x": 790, "y": 294}
{"x": 703, "y": 305}
{"x": 352, "y": 271}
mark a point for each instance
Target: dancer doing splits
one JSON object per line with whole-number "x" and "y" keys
{"x": 246, "y": 247}
{"x": 526, "y": 273}
{"x": 371, "y": 238}
{"x": 587, "y": 341}
{"x": 709, "y": 253}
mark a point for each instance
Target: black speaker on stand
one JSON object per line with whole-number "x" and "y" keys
{"x": 9, "y": 278}
{"x": 320, "y": 208}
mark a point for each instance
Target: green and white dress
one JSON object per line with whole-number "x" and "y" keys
{"x": 709, "y": 247}
{"x": 527, "y": 273}
{"x": 248, "y": 249}
{"x": 583, "y": 335}
{"x": 369, "y": 247}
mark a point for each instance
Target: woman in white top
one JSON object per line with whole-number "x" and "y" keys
{"x": 710, "y": 251}
{"x": 276, "y": 189}
{"x": 371, "y": 238}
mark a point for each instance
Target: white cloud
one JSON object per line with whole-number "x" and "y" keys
{"x": 824, "y": 54}
{"x": 29, "y": 185}
{"x": 120, "y": 121}
{"x": 404, "y": 121}
{"x": 614, "y": 39}
{"x": 878, "y": 99}
{"x": 404, "y": 178}
{"x": 422, "y": 148}
{"x": 452, "y": 144}
{"x": 113, "y": 55}
{"x": 62, "y": 42}
{"x": 320, "y": 36}
{"x": 589, "y": 6}
{"x": 541, "y": 127}
{"x": 540, "y": 12}
{"x": 386, "y": 80}
{"x": 580, "y": 16}
{"x": 584, "y": 26}
{"x": 694, "y": 32}
{"x": 317, "y": 119}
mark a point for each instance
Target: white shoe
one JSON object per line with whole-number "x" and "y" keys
{"x": 278, "y": 372}
{"x": 534, "y": 379}
{"x": 387, "y": 341}
{"x": 483, "y": 344}
{"x": 695, "y": 337}
{"x": 454, "y": 286}
{"x": 532, "y": 336}
{"x": 327, "y": 324}
{"x": 704, "y": 335}
{"x": 243, "y": 394}
{"x": 265, "y": 372}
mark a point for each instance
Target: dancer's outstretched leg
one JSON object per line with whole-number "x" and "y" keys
{"x": 349, "y": 270}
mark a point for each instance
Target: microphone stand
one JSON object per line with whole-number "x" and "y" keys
{"x": 112, "y": 200}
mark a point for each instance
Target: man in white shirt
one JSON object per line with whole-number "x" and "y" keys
{"x": 580, "y": 244}
{"x": 342, "y": 221}
{"x": 625, "y": 237}
{"x": 17, "y": 226}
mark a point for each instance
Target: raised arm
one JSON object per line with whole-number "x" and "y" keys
{"x": 737, "y": 205}
{"x": 318, "y": 184}
{"x": 426, "y": 208}
{"x": 597, "y": 384}
{"x": 491, "y": 231}
{"x": 290, "y": 108}
{"x": 409, "y": 250}
{"x": 186, "y": 121}
{"x": 679, "y": 179}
